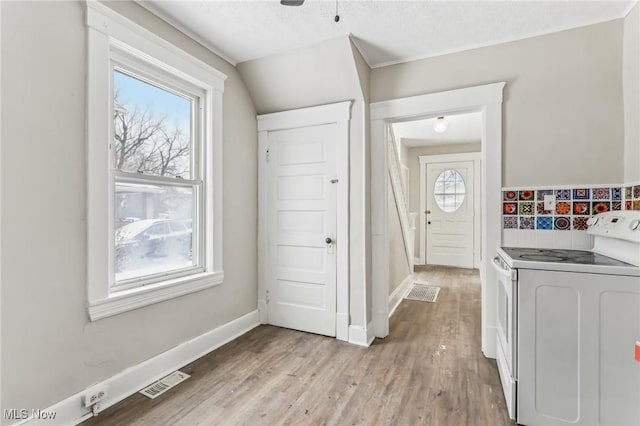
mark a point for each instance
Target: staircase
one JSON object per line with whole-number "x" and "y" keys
{"x": 407, "y": 220}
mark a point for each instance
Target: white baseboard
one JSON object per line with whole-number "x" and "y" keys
{"x": 263, "y": 309}
{"x": 416, "y": 261}
{"x": 71, "y": 411}
{"x": 489, "y": 348}
{"x": 399, "y": 293}
{"x": 362, "y": 336}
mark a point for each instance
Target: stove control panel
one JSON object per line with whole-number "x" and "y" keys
{"x": 624, "y": 225}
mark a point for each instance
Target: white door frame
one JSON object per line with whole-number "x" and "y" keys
{"x": 340, "y": 114}
{"x": 477, "y": 193}
{"x": 488, "y": 100}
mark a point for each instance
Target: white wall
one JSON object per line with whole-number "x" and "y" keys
{"x": 363, "y": 153}
{"x": 50, "y": 350}
{"x": 563, "y": 112}
{"x": 398, "y": 263}
{"x": 327, "y": 72}
{"x": 631, "y": 82}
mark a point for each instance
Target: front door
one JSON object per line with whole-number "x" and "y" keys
{"x": 301, "y": 210}
{"x": 449, "y": 214}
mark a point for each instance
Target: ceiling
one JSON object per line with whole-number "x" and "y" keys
{"x": 385, "y": 32}
{"x": 463, "y": 128}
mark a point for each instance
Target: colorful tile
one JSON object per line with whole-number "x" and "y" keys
{"x": 581, "y": 194}
{"x": 527, "y": 223}
{"x": 600, "y": 207}
{"x": 540, "y": 193}
{"x": 510, "y": 222}
{"x": 600, "y": 194}
{"x": 540, "y": 209}
{"x": 510, "y": 196}
{"x": 616, "y": 205}
{"x": 510, "y": 208}
{"x": 562, "y": 223}
{"x": 628, "y": 205}
{"x": 562, "y": 194}
{"x": 636, "y": 191}
{"x": 628, "y": 191}
{"x": 616, "y": 194}
{"x": 563, "y": 207}
{"x": 581, "y": 208}
{"x": 580, "y": 223}
{"x": 544, "y": 222}
{"x": 636, "y": 205}
{"x": 526, "y": 209}
{"x": 526, "y": 195}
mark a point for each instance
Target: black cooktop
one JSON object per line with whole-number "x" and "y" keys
{"x": 582, "y": 257}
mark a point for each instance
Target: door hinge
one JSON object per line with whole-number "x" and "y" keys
{"x": 267, "y": 297}
{"x": 267, "y": 155}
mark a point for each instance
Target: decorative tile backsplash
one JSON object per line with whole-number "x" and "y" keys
{"x": 632, "y": 197}
{"x": 527, "y": 223}
{"x": 524, "y": 209}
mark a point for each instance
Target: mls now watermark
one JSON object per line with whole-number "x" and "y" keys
{"x": 23, "y": 414}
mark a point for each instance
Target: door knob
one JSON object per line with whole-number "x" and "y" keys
{"x": 328, "y": 240}
{"x": 429, "y": 223}
{"x": 427, "y": 212}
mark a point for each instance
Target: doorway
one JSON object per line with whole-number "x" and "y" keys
{"x": 487, "y": 100}
{"x": 301, "y": 211}
{"x": 454, "y": 234}
{"x": 449, "y": 190}
{"x": 303, "y": 219}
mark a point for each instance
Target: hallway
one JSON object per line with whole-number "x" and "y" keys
{"x": 429, "y": 370}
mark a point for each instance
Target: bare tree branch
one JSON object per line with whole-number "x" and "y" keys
{"x": 146, "y": 143}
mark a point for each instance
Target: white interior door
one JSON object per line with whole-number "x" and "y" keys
{"x": 301, "y": 210}
{"x": 449, "y": 214}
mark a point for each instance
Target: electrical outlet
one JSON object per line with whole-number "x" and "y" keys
{"x": 94, "y": 396}
{"x": 550, "y": 202}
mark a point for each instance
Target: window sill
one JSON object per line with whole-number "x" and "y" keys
{"x": 127, "y": 300}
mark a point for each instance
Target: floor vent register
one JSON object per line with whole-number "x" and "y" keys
{"x": 424, "y": 293}
{"x": 161, "y": 386}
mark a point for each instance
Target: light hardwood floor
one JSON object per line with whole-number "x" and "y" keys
{"x": 429, "y": 371}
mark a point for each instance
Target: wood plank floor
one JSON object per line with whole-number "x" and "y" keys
{"x": 429, "y": 371}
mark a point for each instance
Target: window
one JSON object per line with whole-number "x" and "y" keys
{"x": 156, "y": 173}
{"x": 154, "y": 168}
{"x": 449, "y": 191}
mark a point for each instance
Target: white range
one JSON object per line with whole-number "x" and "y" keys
{"x": 568, "y": 326}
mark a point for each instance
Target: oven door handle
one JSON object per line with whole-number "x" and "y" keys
{"x": 509, "y": 273}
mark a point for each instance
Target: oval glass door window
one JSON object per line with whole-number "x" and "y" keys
{"x": 449, "y": 191}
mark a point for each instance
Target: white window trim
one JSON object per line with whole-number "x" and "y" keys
{"x": 107, "y": 32}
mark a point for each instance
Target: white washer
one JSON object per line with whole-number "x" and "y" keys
{"x": 568, "y": 323}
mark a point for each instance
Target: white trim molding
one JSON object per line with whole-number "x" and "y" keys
{"x": 361, "y": 336}
{"x": 114, "y": 41}
{"x": 477, "y": 213}
{"x": 304, "y": 117}
{"x": 340, "y": 114}
{"x": 399, "y": 293}
{"x": 72, "y": 411}
{"x": 486, "y": 99}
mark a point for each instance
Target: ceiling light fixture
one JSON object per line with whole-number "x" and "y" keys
{"x": 291, "y": 2}
{"x": 440, "y": 125}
